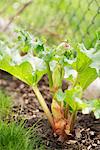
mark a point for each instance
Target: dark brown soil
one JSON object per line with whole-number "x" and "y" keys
{"x": 86, "y": 134}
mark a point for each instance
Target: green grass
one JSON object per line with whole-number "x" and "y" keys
{"x": 5, "y": 104}
{"x": 15, "y": 137}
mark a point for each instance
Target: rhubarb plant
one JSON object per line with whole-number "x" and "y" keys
{"x": 30, "y": 58}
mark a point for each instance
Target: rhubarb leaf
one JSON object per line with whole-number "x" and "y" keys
{"x": 92, "y": 105}
{"x": 86, "y": 73}
{"x": 73, "y": 98}
{"x": 27, "y": 68}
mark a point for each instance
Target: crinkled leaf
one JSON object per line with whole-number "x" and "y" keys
{"x": 86, "y": 74}
{"x": 82, "y": 62}
{"x": 25, "y": 41}
{"x": 92, "y": 105}
{"x": 26, "y": 68}
{"x": 96, "y": 110}
{"x": 38, "y": 47}
{"x": 97, "y": 113}
{"x": 73, "y": 98}
{"x": 60, "y": 96}
{"x": 70, "y": 74}
{"x": 53, "y": 65}
{"x": 86, "y": 77}
{"x": 96, "y": 62}
{"x": 94, "y": 55}
{"x": 48, "y": 55}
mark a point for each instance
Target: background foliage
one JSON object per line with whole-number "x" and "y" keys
{"x": 56, "y": 20}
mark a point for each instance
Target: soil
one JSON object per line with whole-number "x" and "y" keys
{"x": 86, "y": 134}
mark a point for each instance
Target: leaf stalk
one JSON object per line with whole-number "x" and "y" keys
{"x": 43, "y": 105}
{"x": 49, "y": 76}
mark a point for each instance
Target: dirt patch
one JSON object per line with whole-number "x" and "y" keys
{"x": 86, "y": 134}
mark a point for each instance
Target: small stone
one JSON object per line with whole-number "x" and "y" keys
{"x": 31, "y": 114}
{"x": 55, "y": 135}
{"x": 3, "y": 82}
{"x": 71, "y": 142}
{"x": 89, "y": 147}
{"x": 83, "y": 141}
{"x": 98, "y": 142}
{"x": 47, "y": 143}
{"x": 13, "y": 85}
{"x": 88, "y": 129}
{"x": 78, "y": 133}
{"x": 22, "y": 86}
{"x": 31, "y": 94}
{"x": 94, "y": 144}
{"x": 91, "y": 132}
{"x": 34, "y": 116}
{"x": 24, "y": 95}
{"x": 37, "y": 110}
{"x": 26, "y": 101}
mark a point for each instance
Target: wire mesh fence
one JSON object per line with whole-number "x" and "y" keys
{"x": 84, "y": 21}
{"x": 59, "y": 19}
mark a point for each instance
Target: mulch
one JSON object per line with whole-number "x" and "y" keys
{"x": 86, "y": 134}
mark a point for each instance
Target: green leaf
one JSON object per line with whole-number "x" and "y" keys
{"x": 57, "y": 76}
{"x": 82, "y": 62}
{"x": 70, "y": 74}
{"x": 38, "y": 47}
{"x": 47, "y": 55}
{"x": 96, "y": 109}
{"x": 25, "y": 41}
{"x": 60, "y": 96}
{"x": 86, "y": 77}
{"x": 73, "y": 98}
{"x": 92, "y": 105}
{"x": 96, "y": 62}
{"x": 97, "y": 113}
{"x": 27, "y": 68}
{"x": 94, "y": 55}
{"x": 86, "y": 73}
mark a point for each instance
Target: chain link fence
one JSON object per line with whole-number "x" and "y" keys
{"x": 57, "y": 20}
{"x": 84, "y": 21}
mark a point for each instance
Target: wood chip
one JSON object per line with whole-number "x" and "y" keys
{"x": 78, "y": 133}
{"x": 71, "y": 142}
{"x": 89, "y": 147}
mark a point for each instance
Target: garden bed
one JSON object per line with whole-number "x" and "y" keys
{"x": 86, "y": 134}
